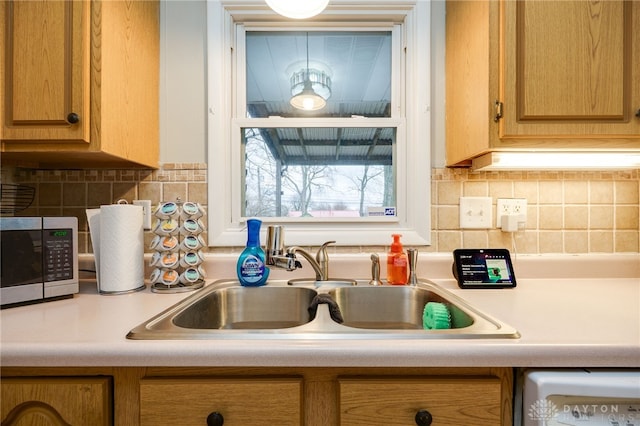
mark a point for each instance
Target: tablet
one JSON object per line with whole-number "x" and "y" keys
{"x": 483, "y": 268}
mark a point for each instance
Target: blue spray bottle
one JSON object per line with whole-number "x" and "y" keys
{"x": 251, "y": 268}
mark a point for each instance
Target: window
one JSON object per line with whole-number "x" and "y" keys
{"x": 356, "y": 169}
{"x": 318, "y": 172}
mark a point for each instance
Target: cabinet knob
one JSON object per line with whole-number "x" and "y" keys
{"x": 423, "y": 418}
{"x": 638, "y": 113}
{"x": 73, "y": 118}
{"x": 215, "y": 419}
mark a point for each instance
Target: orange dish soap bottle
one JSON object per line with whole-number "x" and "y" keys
{"x": 396, "y": 263}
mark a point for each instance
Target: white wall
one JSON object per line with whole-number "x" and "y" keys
{"x": 437, "y": 82}
{"x": 183, "y": 90}
{"x": 183, "y": 81}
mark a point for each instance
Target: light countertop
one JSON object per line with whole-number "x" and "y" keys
{"x": 581, "y": 310}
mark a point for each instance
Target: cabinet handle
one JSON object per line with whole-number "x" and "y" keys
{"x": 498, "y": 111}
{"x": 215, "y": 419}
{"x": 423, "y": 418}
{"x": 638, "y": 113}
{"x": 73, "y": 118}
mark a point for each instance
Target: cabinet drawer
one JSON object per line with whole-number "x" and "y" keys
{"x": 465, "y": 401}
{"x": 56, "y": 401}
{"x": 185, "y": 401}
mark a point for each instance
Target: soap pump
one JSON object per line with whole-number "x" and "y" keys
{"x": 396, "y": 263}
{"x": 251, "y": 268}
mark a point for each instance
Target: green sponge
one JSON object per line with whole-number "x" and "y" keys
{"x": 436, "y": 316}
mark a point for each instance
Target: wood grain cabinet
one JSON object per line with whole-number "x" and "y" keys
{"x": 541, "y": 75}
{"x": 79, "y": 83}
{"x": 217, "y": 401}
{"x": 255, "y": 396}
{"x": 421, "y": 401}
{"x": 56, "y": 401}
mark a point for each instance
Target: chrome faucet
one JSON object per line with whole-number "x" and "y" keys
{"x": 277, "y": 256}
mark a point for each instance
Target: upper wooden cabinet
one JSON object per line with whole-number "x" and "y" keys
{"x": 532, "y": 74}
{"x": 80, "y": 83}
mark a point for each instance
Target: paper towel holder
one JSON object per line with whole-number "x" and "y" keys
{"x": 117, "y": 227}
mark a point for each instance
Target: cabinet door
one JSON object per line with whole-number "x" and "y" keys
{"x": 52, "y": 401}
{"x": 447, "y": 401}
{"x": 268, "y": 401}
{"x": 572, "y": 68}
{"x": 45, "y": 75}
{"x": 471, "y": 78}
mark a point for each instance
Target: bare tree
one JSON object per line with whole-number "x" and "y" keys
{"x": 259, "y": 177}
{"x": 360, "y": 183}
{"x": 302, "y": 180}
{"x": 388, "y": 198}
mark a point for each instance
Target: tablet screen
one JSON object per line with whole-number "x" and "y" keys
{"x": 483, "y": 268}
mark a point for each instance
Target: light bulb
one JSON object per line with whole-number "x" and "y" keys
{"x": 298, "y": 9}
{"x": 307, "y": 103}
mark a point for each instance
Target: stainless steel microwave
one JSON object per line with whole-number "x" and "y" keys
{"x": 38, "y": 259}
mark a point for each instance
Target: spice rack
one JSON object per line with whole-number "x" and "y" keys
{"x": 177, "y": 247}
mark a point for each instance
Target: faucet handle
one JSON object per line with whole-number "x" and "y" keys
{"x": 322, "y": 255}
{"x": 327, "y": 243}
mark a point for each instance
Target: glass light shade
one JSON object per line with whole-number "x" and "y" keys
{"x": 320, "y": 82}
{"x": 550, "y": 160}
{"x": 298, "y": 9}
{"x": 308, "y": 100}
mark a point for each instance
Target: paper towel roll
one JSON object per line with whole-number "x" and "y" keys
{"x": 120, "y": 253}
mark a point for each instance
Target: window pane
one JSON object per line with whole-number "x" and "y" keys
{"x": 318, "y": 172}
{"x": 351, "y": 70}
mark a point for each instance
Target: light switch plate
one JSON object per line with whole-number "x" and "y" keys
{"x": 475, "y": 213}
{"x": 146, "y": 212}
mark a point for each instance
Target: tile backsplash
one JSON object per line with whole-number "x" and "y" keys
{"x": 567, "y": 212}
{"x": 71, "y": 192}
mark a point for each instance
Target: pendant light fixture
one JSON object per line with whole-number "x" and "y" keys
{"x": 298, "y": 9}
{"x": 308, "y": 98}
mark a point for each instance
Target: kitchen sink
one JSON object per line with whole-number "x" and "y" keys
{"x": 392, "y": 307}
{"x": 248, "y": 308}
{"x": 316, "y": 310}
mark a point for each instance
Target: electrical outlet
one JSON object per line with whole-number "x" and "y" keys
{"x": 475, "y": 212}
{"x": 146, "y": 212}
{"x": 511, "y": 207}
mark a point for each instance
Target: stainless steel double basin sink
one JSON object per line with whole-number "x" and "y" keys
{"x": 316, "y": 310}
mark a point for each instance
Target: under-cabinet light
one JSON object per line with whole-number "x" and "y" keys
{"x": 549, "y": 160}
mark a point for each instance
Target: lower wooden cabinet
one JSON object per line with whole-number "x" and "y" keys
{"x": 420, "y": 401}
{"x": 237, "y": 401}
{"x": 255, "y": 396}
{"x": 56, "y": 401}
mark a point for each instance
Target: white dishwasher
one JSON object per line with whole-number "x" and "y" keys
{"x": 581, "y": 397}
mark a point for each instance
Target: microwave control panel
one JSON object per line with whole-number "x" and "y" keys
{"x": 58, "y": 254}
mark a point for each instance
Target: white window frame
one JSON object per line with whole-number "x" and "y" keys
{"x": 411, "y": 117}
